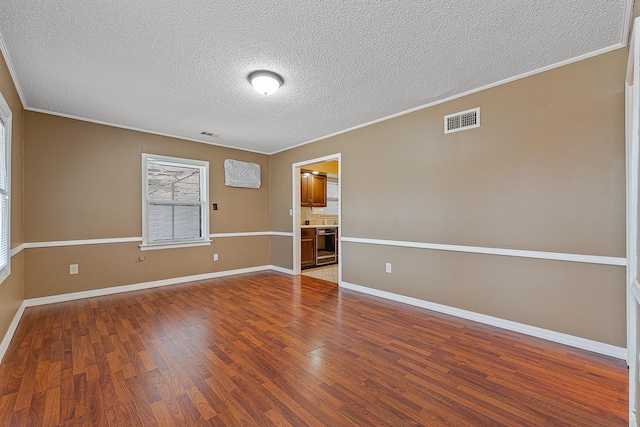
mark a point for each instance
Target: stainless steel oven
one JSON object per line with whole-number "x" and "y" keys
{"x": 326, "y": 246}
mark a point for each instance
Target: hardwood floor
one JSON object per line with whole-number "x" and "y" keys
{"x": 269, "y": 349}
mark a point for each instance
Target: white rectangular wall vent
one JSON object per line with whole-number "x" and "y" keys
{"x": 212, "y": 135}
{"x": 241, "y": 174}
{"x": 462, "y": 121}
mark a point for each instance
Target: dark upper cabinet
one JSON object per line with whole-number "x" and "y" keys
{"x": 305, "y": 189}
{"x": 313, "y": 190}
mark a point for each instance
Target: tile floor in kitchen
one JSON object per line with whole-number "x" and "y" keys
{"x": 327, "y": 272}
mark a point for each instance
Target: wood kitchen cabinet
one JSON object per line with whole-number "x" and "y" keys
{"x": 313, "y": 190}
{"x": 308, "y": 247}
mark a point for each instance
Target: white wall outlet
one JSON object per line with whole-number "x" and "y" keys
{"x": 290, "y": 212}
{"x": 387, "y": 267}
{"x": 73, "y": 268}
{"x": 215, "y": 257}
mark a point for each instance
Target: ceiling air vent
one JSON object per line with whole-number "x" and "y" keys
{"x": 462, "y": 121}
{"x": 212, "y": 135}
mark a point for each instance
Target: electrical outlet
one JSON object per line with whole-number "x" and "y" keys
{"x": 290, "y": 212}
{"x": 215, "y": 257}
{"x": 73, "y": 268}
{"x": 387, "y": 267}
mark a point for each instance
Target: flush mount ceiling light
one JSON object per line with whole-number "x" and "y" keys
{"x": 265, "y": 82}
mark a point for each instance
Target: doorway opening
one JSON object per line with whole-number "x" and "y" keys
{"x": 316, "y": 217}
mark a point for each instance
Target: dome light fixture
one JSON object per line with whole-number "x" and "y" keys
{"x": 265, "y": 82}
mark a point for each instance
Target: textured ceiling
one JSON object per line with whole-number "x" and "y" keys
{"x": 179, "y": 67}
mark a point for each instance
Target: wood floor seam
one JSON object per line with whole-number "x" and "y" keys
{"x": 268, "y": 349}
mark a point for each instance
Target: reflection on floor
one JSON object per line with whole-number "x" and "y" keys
{"x": 328, "y": 273}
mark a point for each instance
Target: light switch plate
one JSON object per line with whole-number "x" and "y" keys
{"x": 73, "y": 268}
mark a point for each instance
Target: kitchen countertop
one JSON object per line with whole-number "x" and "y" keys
{"x": 320, "y": 226}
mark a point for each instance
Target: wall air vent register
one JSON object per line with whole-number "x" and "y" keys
{"x": 463, "y": 120}
{"x": 212, "y": 135}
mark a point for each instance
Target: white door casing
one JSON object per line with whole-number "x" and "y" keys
{"x": 632, "y": 136}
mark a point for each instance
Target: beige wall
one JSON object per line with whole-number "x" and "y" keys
{"x": 281, "y": 252}
{"x": 117, "y": 264}
{"x": 556, "y": 295}
{"x": 544, "y": 172}
{"x": 12, "y": 289}
{"x": 83, "y": 181}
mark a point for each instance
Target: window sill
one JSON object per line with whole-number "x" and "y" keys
{"x": 156, "y": 246}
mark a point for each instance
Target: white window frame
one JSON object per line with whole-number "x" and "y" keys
{"x": 6, "y": 116}
{"x": 148, "y": 159}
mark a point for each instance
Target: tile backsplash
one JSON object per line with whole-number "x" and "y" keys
{"x": 317, "y": 217}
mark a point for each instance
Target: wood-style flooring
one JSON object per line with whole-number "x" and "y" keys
{"x": 267, "y": 349}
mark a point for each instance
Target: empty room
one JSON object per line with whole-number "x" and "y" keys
{"x": 319, "y": 213}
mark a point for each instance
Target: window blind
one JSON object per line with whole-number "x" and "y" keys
{"x": 4, "y": 198}
{"x": 175, "y": 201}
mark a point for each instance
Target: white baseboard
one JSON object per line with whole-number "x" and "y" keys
{"x": 558, "y": 337}
{"x": 4, "y": 345}
{"x": 139, "y": 286}
{"x": 282, "y": 270}
{"x": 146, "y": 285}
{"x": 32, "y": 302}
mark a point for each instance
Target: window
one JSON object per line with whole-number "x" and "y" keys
{"x": 174, "y": 206}
{"x": 332, "y": 197}
{"x": 5, "y": 189}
